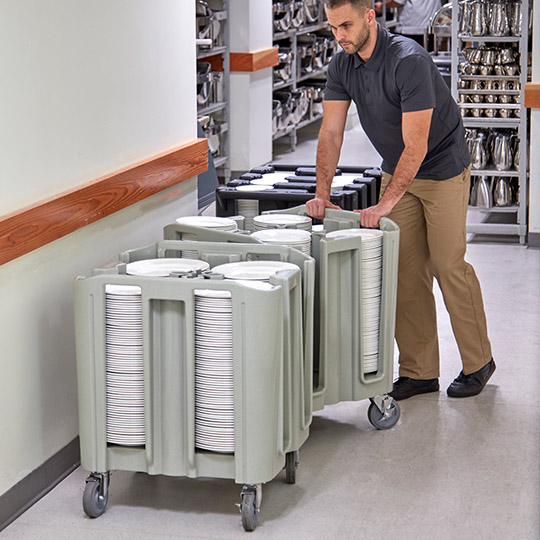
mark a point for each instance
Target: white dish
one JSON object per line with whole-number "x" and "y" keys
{"x": 251, "y": 187}
{"x": 253, "y": 270}
{"x": 208, "y": 222}
{"x": 163, "y": 267}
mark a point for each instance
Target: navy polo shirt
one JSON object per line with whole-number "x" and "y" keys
{"x": 401, "y": 77}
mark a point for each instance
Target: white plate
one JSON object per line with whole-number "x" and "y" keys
{"x": 365, "y": 233}
{"x": 281, "y": 219}
{"x": 252, "y": 187}
{"x": 256, "y": 270}
{"x": 264, "y": 181}
{"x": 208, "y": 222}
{"x": 123, "y": 290}
{"x": 212, "y": 293}
{"x": 283, "y": 236}
{"x": 163, "y": 267}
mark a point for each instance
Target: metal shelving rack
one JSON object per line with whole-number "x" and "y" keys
{"x": 519, "y": 124}
{"x": 221, "y": 107}
{"x": 293, "y": 83}
{"x": 292, "y": 35}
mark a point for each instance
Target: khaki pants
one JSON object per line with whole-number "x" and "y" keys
{"x": 431, "y": 217}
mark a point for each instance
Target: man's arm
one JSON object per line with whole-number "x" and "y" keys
{"x": 415, "y": 131}
{"x": 328, "y": 150}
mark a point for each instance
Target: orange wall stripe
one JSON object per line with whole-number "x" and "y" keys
{"x": 254, "y": 61}
{"x": 30, "y": 228}
{"x": 532, "y": 95}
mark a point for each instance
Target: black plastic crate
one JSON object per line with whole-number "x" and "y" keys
{"x": 277, "y": 199}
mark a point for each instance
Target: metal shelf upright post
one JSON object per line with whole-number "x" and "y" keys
{"x": 217, "y": 109}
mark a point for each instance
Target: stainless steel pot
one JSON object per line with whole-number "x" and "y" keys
{"x": 511, "y": 69}
{"x": 298, "y": 13}
{"x": 204, "y": 83}
{"x": 515, "y": 18}
{"x": 501, "y": 151}
{"x": 502, "y": 192}
{"x": 484, "y": 70}
{"x": 282, "y": 16}
{"x": 489, "y": 56}
{"x": 312, "y": 10}
{"x": 478, "y": 152}
{"x": 484, "y": 198}
{"x": 465, "y": 12}
{"x": 498, "y": 19}
{"x": 507, "y": 55}
{"x": 473, "y": 55}
{"x": 478, "y": 19}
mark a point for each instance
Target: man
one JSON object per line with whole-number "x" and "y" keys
{"x": 408, "y": 114}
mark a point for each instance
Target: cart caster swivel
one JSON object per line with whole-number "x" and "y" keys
{"x": 96, "y": 494}
{"x": 291, "y": 464}
{"x": 383, "y": 412}
{"x": 250, "y": 506}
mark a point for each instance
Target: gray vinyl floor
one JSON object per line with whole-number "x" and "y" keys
{"x": 466, "y": 469}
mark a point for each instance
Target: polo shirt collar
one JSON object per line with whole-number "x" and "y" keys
{"x": 376, "y": 59}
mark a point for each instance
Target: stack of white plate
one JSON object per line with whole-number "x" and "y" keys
{"x": 214, "y": 382}
{"x": 270, "y": 179}
{"x": 249, "y": 208}
{"x": 339, "y": 182}
{"x": 252, "y": 270}
{"x": 164, "y": 267}
{"x": 281, "y": 221}
{"x": 207, "y": 222}
{"x": 295, "y": 238}
{"x": 371, "y": 291}
{"x": 124, "y": 365}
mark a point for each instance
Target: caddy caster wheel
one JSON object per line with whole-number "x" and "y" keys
{"x": 249, "y": 509}
{"x": 96, "y": 495}
{"x": 388, "y": 416}
{"x": 291, "y": 464}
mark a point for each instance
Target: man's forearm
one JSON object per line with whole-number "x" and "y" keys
{"x": 328, "y": 150}
{"x": 406, "y": 170}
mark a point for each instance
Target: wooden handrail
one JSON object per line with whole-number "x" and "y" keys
{"x": 532, "y": 95}
{"x": 254, "y": 61}
{"x": 30, "y": 228}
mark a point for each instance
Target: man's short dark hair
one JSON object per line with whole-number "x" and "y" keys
{"x": 360, "y": 5}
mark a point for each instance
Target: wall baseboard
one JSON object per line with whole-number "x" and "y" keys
{"x": 38, "y": 483}
{"x": 534, "y": 240}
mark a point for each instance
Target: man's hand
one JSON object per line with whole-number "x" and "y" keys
{"x": 370, "y": 217}
{"x": 316, "y": 207}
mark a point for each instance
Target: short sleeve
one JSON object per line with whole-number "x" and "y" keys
{"x": 334, "y": 90}
{"x": 415, "y": 82}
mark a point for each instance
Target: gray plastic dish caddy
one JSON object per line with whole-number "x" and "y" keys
{"x": 338, "y": 349}
{"x": 273, "y": 372}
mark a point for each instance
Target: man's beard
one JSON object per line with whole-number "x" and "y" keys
{"x": 359, "y": 43}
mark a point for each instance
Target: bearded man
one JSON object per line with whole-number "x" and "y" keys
{"x": 408, "y": 114}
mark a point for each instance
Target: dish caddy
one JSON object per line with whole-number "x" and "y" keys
{"x": 339, "y": 366}
{"x": 272, "y": 371}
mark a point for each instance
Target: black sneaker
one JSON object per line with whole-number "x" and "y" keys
{"x": 405, "y": 387}
{"x": 473, "y": 384}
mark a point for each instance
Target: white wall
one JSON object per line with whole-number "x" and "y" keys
{"x": 534, "y": 194}
{"x": 87, "y": 88}
{"x": 251, "y": 93}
